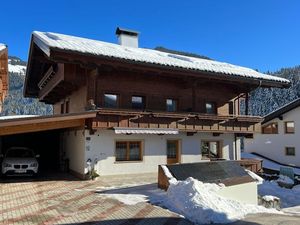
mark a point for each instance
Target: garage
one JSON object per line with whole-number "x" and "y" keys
{"x": 44, "y": 135}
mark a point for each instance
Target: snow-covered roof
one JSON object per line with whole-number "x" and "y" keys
{"x": 48, "y": 40}
{"x": 2, "y": 46}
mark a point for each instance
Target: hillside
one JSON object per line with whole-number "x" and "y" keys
{"x": 15, "y": 103}
{"x": 265, "y": 100}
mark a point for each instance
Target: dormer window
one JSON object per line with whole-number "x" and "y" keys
{"x": 171, "y": 105}
{"x": 138, "y": 102}
{"x": 210, "y": 108}
{"x": 111, "y": 101}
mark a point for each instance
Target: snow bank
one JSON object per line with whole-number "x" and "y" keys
{"x": 288, "y": 197}
{"x": 285, "y": 180}
{"x": 201, "y": 203}
{"x": 168, "y": 174}
{"x": 270, "y": 198}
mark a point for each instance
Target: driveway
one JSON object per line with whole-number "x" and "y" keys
{"x": 66, "y": 200}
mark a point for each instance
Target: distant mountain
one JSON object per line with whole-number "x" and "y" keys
{"x": 15, "y": 103}
{"x": 265, "y": 100}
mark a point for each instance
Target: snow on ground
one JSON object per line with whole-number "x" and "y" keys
{"x": 201, "y": 203}
{"x": 288, "y": 197}
{"x": 257, "y": 178}
{"x": 197, "y": 201}
{"x": 267, "y": 163}
{"x": 19, "y": 69}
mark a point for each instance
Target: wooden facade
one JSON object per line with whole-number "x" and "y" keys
{"x": 3, "y": 75}
{"x": 72, "y": 82}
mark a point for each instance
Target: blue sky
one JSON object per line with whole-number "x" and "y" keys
{"x": 263, "y": 35}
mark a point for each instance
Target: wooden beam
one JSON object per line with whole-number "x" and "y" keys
{"x": 43, "y": 126}
{"x": 53, "y": 82}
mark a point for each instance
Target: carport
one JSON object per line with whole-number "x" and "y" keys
{"x": 43, "y": 134}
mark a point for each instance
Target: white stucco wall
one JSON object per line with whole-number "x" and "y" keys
{"x": 273, "y": 145}
{"x": 74, "y": 148}
{"x": 246, "y": 193}
{"x": 101, "y": 148}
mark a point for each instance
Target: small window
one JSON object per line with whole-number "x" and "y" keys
{"x": 138, "y": 102}
{"x": 128, "y": 151}
{"x": 271, "y": 128}
{"x": 111, "y": 101}
{"x": 289, "y": 127}
{"x": 290, "y": 151}
{"x": 210, "y": 108}
{"x": 171, "y": 105}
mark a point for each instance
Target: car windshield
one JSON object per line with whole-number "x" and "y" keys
{"x": 19, "y": 153}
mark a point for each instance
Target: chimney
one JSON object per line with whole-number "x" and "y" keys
{"x": 127, "y": 37}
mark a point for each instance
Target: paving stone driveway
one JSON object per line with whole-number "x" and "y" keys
{"x": 66, "y": 200}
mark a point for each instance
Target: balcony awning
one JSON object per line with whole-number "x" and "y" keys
{"x": 126, "y": 130}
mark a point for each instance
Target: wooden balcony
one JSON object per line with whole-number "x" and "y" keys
{"x": 187, "y": 122}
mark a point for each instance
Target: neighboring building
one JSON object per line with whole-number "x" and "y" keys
{"x": 3, "y": 73}
{"x": 152, "y": 107}
{"x": 279, "y": 136}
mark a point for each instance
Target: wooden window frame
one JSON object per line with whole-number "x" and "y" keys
{"x": 176, "y": 102}
{"x": 272, "y": 130}
{"x": 111, "y": 93}
{"x": 286, "y": 151}
{"x": 286, "y": 128}
{"x": 128, "y": 151}
{"x": 143, "y": 101}
{"x": 67, "y": 106}
{"x": 220, "y": 148}
{"x": 215, "y": 112}
{"x": 62, "y": 108}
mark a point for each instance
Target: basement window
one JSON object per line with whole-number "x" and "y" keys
{"x": 290, "y": 151}
{"x": 111, "y": 101}
{"x": 289, "y": 127}
{"x": 271, "y": 128}
{"x": 128, "y": 151}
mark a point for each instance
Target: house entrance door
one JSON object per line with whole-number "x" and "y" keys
{"x": 173, "y": 152}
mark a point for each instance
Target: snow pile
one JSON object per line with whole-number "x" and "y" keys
{"x": 200, "y": 203}
{"x": 288, "y": 197}
{"x": 270, "y": 198}
{"x": 258, "y": 179}
{"x": 19, "y": 69}
{"x": 168, "y": 174}
{"x": 285, "y": 180}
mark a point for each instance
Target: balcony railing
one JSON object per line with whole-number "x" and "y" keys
{"x": 189, "y": 122}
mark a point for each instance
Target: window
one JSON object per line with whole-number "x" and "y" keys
{"x": 290, "y": 151}
{"x": 211, "y": 149}
{"x": 111, "y": 101}
{"x": 128, "y": 151}
{"x": 289, "y": 127}
{"x": 271, "y": 128}
{"x": 210, "y": 108}
{"x": 171, "y": 105}
{"x": 138, "y": 102}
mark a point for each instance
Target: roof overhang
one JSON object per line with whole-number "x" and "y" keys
{"x": 159, "y": 131}
{"x": 20, "y": 125}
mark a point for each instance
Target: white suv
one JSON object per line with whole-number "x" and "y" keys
{"x": 19, "y": 160}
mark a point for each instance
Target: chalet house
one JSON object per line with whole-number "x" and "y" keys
{"x": 151, "y": 107}
{"x": 279, "y": 136}
{"x": 3, "y": 73}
